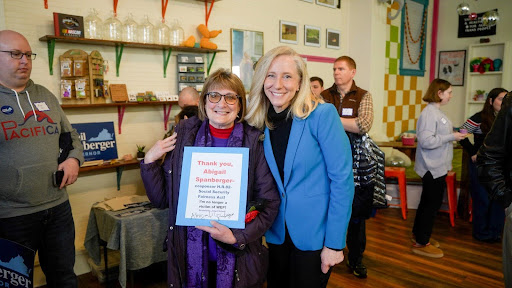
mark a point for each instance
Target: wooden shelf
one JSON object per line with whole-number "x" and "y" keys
{"x": 145, "y": 103}
{"x": 119, "y": 45}
{"x": 119, "y": 168}
{"x": 107, "y": 165}
{"x": 121, "y": 107}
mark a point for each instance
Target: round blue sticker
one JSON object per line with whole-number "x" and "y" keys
{"x": 7, "y": 110}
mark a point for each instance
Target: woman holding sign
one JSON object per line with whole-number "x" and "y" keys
{"x": 310, "y": 158}
{"x": 214, "y": 256}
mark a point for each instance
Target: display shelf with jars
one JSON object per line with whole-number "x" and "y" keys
{"x": 120, "y": 45}
{"x": 487, "y": 67}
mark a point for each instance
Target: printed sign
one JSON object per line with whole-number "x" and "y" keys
{"x": 68, "y": 25}
{"x": 16, "y": 265}
{"x": 213, "y": 186}
{"x": 98, "y": 139}
{"x": 469, "y": 27}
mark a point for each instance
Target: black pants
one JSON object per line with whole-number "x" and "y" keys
{"x": 430, "y": 202}
{"x": 290, "y": 267}
{"x": 356, "y": 240}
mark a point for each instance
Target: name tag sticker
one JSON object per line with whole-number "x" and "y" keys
{"x": 41, "y": 106}
{"x": 443, "y": 120}
{"x": 346, "y": 112}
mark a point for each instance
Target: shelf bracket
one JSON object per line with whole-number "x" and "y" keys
{"x": 166, "y": 60}
{"x": 120, "y": 116}
{"x": 209, "y": 63}
{"x": 167, "y": 113}
{"x": 51, "y": 51}
{"x": 119, "y": 172}
{"x": 119, "y": 55}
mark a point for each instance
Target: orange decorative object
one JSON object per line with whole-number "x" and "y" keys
{"x": 207, "y": 35}
{"x": 189, "y": 42}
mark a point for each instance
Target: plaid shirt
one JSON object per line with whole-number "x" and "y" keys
{"x": 364, "y": 119}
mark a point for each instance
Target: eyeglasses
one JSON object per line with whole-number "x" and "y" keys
{"x": 19, "y": 55}
{"x": 215, "y": 97}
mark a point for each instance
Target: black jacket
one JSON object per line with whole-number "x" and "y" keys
{"x": 494, "y": 159}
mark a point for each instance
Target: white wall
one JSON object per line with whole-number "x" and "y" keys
{"x": 141, "y": 69}
{"x": 447, "y": 40}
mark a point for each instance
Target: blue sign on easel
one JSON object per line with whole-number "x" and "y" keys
{"x": 16, "y": 265}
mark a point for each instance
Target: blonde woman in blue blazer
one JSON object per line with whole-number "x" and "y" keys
{"x": 310, "y": 158}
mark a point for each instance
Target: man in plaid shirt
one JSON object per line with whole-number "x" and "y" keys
{"x": 355, "y": 107}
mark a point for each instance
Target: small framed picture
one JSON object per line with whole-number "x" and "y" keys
{"x": 311, "y": 36}
{"x": 451, "y": 67}
{"x": 327, "y": 3}
{"x": 288, "y": 32}
{"x": 333, "y": 39}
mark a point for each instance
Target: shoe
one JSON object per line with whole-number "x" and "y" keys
{"x": 427, "y": 250}
{"x": 432, "y": 242}
{"x": 359, "y": 270}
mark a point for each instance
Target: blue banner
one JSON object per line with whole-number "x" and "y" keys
{"x": 16, "y": 265}
{"x": 98, "y": 139}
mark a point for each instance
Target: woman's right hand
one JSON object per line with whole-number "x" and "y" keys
{"x": 160, "y": 148}
{"x": 459, "y": 136}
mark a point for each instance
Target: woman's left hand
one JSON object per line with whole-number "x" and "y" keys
{"x": 219, "y": 232}
{"x": 330, "y": 258}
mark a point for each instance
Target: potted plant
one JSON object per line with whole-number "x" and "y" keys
{"x": 140, "y": 152}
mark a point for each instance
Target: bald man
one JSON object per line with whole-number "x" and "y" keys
{"x": 34, "y": 211}
{"x": 188, "y": 97}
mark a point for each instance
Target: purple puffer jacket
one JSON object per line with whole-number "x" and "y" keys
{"x": 162, "y": 185}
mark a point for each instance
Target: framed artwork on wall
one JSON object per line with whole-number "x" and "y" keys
{"x": 333, "y": 38}
{"x": 246, "y": 50}
{"x": 413, "y": 37}
{"x": 288, "y": 32}
{"x": 327, "y": 3}
{"x": 311, "y": 36}
{"x": 451, "y": 66}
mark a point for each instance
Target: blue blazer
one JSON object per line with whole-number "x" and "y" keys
{"x": 318, "y": 187}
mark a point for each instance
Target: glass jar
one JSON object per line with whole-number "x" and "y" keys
{"x": 162, "y": 32}
{"x": 177, "y": 34}
{"x": 146, "y": 30}
{"x": 130, "y": 28}
{"x": 113, "y": 28}
{"x": 93, "y": 25}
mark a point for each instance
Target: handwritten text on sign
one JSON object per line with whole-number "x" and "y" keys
{"x": 214, "y": 186}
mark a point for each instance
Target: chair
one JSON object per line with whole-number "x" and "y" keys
{"x": 399, "y": 173}
{"x": 451, "y": 195}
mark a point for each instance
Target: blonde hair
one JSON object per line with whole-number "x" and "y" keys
{"x": 223, "y": 79}
{"x": 302, "y": 104}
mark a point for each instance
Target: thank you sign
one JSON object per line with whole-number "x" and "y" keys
{"x": 213, "y": 186}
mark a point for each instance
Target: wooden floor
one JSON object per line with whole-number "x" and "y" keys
{"x": 390, "y": 262}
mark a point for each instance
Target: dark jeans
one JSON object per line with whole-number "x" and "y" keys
{"x": 290, "y": 267}
{"x": 52, "y": 233}
{"x": 488, "y": 215}
{"x": 430, "y": 202}
{"x": 356, "y": 240}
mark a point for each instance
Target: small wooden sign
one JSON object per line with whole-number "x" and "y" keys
{"x": 118, "y": 92}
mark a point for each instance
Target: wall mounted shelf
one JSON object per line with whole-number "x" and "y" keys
{"x": 119, "y": 168}
{"x": 119, "y": 46}
{"x": 121, "y": 107}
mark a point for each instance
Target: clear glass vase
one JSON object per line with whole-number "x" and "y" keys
{"x": 177, "y": 34}
{"x": 146, "y": 30}
{"x": 93, "y": 25}
{"x": 162, "y": 32}
{"x": 130, "y": 28}
{"x": 113, "y": 28}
